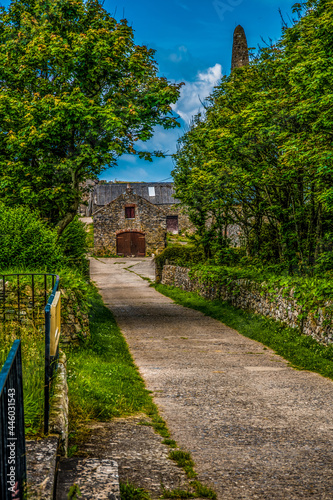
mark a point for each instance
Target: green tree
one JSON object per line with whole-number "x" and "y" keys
{"x": 75, "y": 94}
{"x": 266, "y": 145}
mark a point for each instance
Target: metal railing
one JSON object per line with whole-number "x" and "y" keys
{"x": 12, "y": 440}
{"x": 12, "y": 295}
{"x": 22, "y": 297}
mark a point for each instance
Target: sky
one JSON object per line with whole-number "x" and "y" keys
{"x": 193, "y": 43}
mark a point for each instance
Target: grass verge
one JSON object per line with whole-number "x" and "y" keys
{"x": 302, "y": 351}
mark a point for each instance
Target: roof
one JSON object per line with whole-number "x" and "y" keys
{"x": 158, "y": 193}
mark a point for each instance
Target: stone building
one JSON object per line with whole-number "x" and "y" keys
{"x": 160, "y": 194}
{"x": 129, "y": 225}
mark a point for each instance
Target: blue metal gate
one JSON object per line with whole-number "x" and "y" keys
{"x": 12, "y": 440}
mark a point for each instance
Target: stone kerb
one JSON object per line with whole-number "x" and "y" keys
{"x": 252, "y": 296}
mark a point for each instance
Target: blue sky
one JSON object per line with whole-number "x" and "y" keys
{"x": 193, "y": 42}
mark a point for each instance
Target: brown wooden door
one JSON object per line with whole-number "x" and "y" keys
{"x": 124, "y": 244}
{"x": 131, "y": 244}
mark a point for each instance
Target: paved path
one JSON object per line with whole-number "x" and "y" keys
{"x": 256, "y": 428}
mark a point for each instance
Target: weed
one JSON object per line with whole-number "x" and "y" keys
{"x": 203, "y": 491}
{"x": 177, "y": 493}
{"x": 170, "y": 442}
{"x": 74, "y": 492}
{"x": 145, "y": 423}
{"x": 90, "y": 236}
{"x": 197, "y": 490}
{"x": 130, "y": 492}
{"x": 183, "y": 459}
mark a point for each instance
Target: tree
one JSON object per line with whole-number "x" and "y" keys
{"x": 75, "y": 94}
{"x": 266, "y": 145}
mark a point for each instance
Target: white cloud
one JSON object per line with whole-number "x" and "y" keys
{"x": 193, "y": 93}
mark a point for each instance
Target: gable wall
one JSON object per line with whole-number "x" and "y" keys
{"x": 110, "y": 221}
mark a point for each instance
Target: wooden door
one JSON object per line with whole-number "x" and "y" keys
{"x": 131, "y": 243}
{"x": 138, "y": 244}
{"x": 124, "y": 244}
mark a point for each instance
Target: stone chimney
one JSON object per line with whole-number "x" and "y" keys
{"x": 240, "y": 52}
{"x": 129, "y": 190}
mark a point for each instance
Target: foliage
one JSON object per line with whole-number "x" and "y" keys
{"x": 130, "y": 492}
{"x": 26, "y": 241}
{"x": 183, "y": 459}
{"x": 311, "y": 293}
{"x": 74, "y": 492}
{"x": 182, "y": 255}
{"x": 74, "y": 244}
{"x": 301, "y": 350}
{"x": 76, "y": 93}
{"x": 260, "y": 161}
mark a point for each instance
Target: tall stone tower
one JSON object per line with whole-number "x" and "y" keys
{"x": 240, "y": 53}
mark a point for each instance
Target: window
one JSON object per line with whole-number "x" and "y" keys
{"x": 151, "y": 191}
{"x": 129, "y": 212}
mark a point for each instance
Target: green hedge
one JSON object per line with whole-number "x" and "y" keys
{"x": 181, "y": 255}
{"x": 26, "y": 241}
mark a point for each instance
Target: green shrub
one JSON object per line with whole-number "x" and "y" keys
{"x": 74, "y": 246}
{"x": 181, "y": 255}
{"x": 26, "y": 241}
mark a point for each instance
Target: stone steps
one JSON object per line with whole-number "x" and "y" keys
{"x": 96, "y": 478}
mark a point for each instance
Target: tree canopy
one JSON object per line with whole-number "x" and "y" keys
{"x": 75, "y": 94}
{"x": 264, "y": 153}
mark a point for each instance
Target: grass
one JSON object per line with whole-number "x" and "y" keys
{"x": 302, "y": 351}
{"x": 130, "y": 492}
{"x": 32, "y": 350}
{"x": 170, "y": 442}
{"x": 103, "y": 380}
{"x": 174, "y": 239}
{"x": 90, "y": 236}
{"x": 183, "y": 459}
{"x": 196, "y": 490}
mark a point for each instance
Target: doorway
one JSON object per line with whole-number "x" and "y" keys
{"x": 131, "y": 243}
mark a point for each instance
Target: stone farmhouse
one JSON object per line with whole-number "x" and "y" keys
{"x": 134, "y": 220}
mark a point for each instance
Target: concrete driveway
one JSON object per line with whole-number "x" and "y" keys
{"x": 256, "y": 428}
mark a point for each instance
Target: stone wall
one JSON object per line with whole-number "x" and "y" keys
{"x": 74, "y": 319}
{"x": 251, "y": 296}
{"x": 184, "y": 223}
{"x": 110, "y": 221}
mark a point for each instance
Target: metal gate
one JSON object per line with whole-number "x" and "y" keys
{"x": 131, "y": 243}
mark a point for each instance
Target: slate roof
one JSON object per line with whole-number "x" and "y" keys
{"x": 105, "y": 193}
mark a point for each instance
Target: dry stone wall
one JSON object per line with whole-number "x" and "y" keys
{"x": 74, "y": 319}
{"x": 252, "y": 296}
